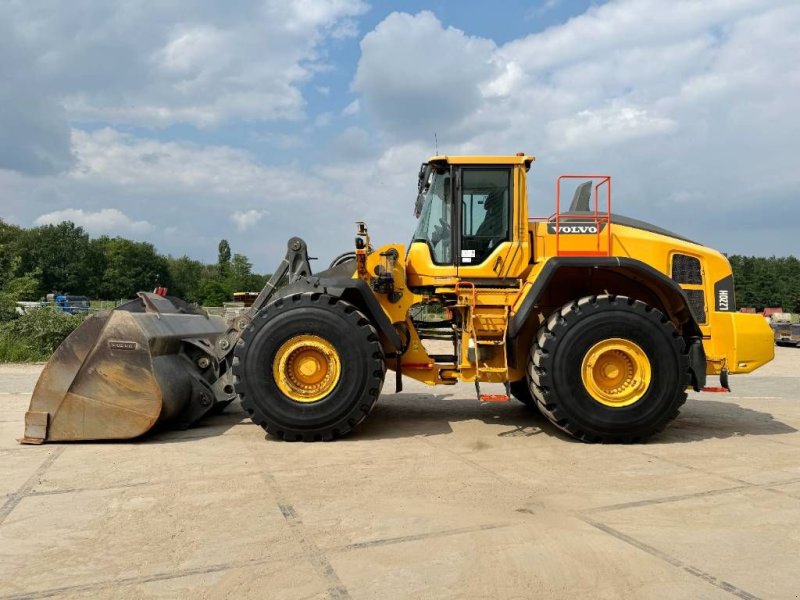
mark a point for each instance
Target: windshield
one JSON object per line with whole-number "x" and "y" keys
{"x": 434, "y": 226}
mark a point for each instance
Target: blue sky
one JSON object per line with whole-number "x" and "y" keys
{"x": 256, "y": 120}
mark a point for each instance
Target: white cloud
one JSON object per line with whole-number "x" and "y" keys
{"x": 344, "y": 29}
{"x": 352, "y": 108}
{"x": 688, "y": 105}
{"x": 194, "y": 195}
{"x": 244, "y": 220}
{"x": 159, "y": 65}
{"x": 417, "y": 77}
{"x": 34, "y": 135}
{"x": 108, "y": 156}
{"x": 606, "y": 127}
{"x": 103, "y": 221}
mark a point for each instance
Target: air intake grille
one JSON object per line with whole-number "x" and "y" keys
{"x": 686, "y": 269}
{"x": 697, "y": 304}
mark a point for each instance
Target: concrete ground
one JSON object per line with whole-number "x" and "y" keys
{"x": 435, "y": 496}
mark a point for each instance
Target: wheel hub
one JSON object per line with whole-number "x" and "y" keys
{"x": 616, "y": 372}
{"x": 306, "y": 368}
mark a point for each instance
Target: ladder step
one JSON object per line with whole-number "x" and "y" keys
{"x": 492, "y": 369}
{"x": 490, "y": 342}
{"x": 443, "y": 358}
{"x": 494, "y": 398}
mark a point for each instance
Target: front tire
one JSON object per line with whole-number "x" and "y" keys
{"x": 310, "y": 368}
{"x": 521, "y": 390}
{"x": 609, "y": 369}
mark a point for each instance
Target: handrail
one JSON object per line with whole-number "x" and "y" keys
{"x": 594, "y": 216}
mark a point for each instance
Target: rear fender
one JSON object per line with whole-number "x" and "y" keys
{"x": 616, "y": 275}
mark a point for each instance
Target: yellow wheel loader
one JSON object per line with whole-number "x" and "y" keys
{"x": 599, "y": 321}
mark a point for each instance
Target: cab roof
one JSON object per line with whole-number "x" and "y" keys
{"x": 512, "y": 159}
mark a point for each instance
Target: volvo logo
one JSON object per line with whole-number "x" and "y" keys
{"x": 576, "y": 228}
{"x": 119, "y": 345}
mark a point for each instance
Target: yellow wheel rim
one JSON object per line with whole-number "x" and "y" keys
{"x": 616, "y": 372}
{"x": 306, "y": 368}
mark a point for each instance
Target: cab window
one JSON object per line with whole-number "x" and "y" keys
{"x": 485, "y": 212}
{"x": 434, "y": 221}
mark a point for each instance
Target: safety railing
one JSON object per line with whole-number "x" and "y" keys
{"x": 594, "y": 224}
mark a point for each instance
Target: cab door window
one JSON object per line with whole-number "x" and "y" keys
{"x": 485, "y": 212}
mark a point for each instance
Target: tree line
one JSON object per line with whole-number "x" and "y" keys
{"x": 64, "y": 258}
{"x": 767, "y": 282}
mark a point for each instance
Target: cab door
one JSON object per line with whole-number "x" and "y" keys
{"x": 488, "y": 215}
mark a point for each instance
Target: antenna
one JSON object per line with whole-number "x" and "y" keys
{"x": 436, "y": 144}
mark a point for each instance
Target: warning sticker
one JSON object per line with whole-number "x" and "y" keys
{"x": 468, "y": 254}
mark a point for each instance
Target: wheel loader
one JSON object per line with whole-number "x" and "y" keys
{"x": 599, "y": 321}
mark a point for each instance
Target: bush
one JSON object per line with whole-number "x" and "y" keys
{"x": 36, "y": 334}
{"x": 8, "y": 307}
{"x": 13, "y": 350}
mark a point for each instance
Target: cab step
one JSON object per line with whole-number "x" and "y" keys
{"x": 494, "y": 398}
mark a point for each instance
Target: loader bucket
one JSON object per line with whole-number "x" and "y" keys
{"x": 151, "y": 361}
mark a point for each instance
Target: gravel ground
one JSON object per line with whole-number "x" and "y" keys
{"x": 436, "y": 496}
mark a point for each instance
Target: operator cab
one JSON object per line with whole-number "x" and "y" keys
{"x": 467, "y": 213}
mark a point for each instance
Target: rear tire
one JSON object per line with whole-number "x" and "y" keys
{"x": 351, "y": 396}
{"x": 558, "y": 361}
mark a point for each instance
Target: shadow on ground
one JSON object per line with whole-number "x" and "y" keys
{"x": 212, "y": 426}
{"x": 405, "y": 415}
{"x": 705, "y": 419}
{"x": 414, "y": 414}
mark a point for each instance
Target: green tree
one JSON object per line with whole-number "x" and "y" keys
{"x": 242, "y": 278}
{"x": 10, "y": 236}
{"x": 131, "y": 267}
{"x": 188, "y": 277}
{"x": 224, "y": 258}
{"x": 766, "y": 282}
{"x": 61, "y": 254}
{"x": 17, "y": 288}
{"x": 214, "y": 293}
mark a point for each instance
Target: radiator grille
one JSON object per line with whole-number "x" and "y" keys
{"x": 697, "y": 304}
{"x": 686, "y": 269}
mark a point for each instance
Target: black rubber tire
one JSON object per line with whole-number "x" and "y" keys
{"x": 521, "y": 391}
{"x": 360, "y": 353}
{"x": 556, "y": 358}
